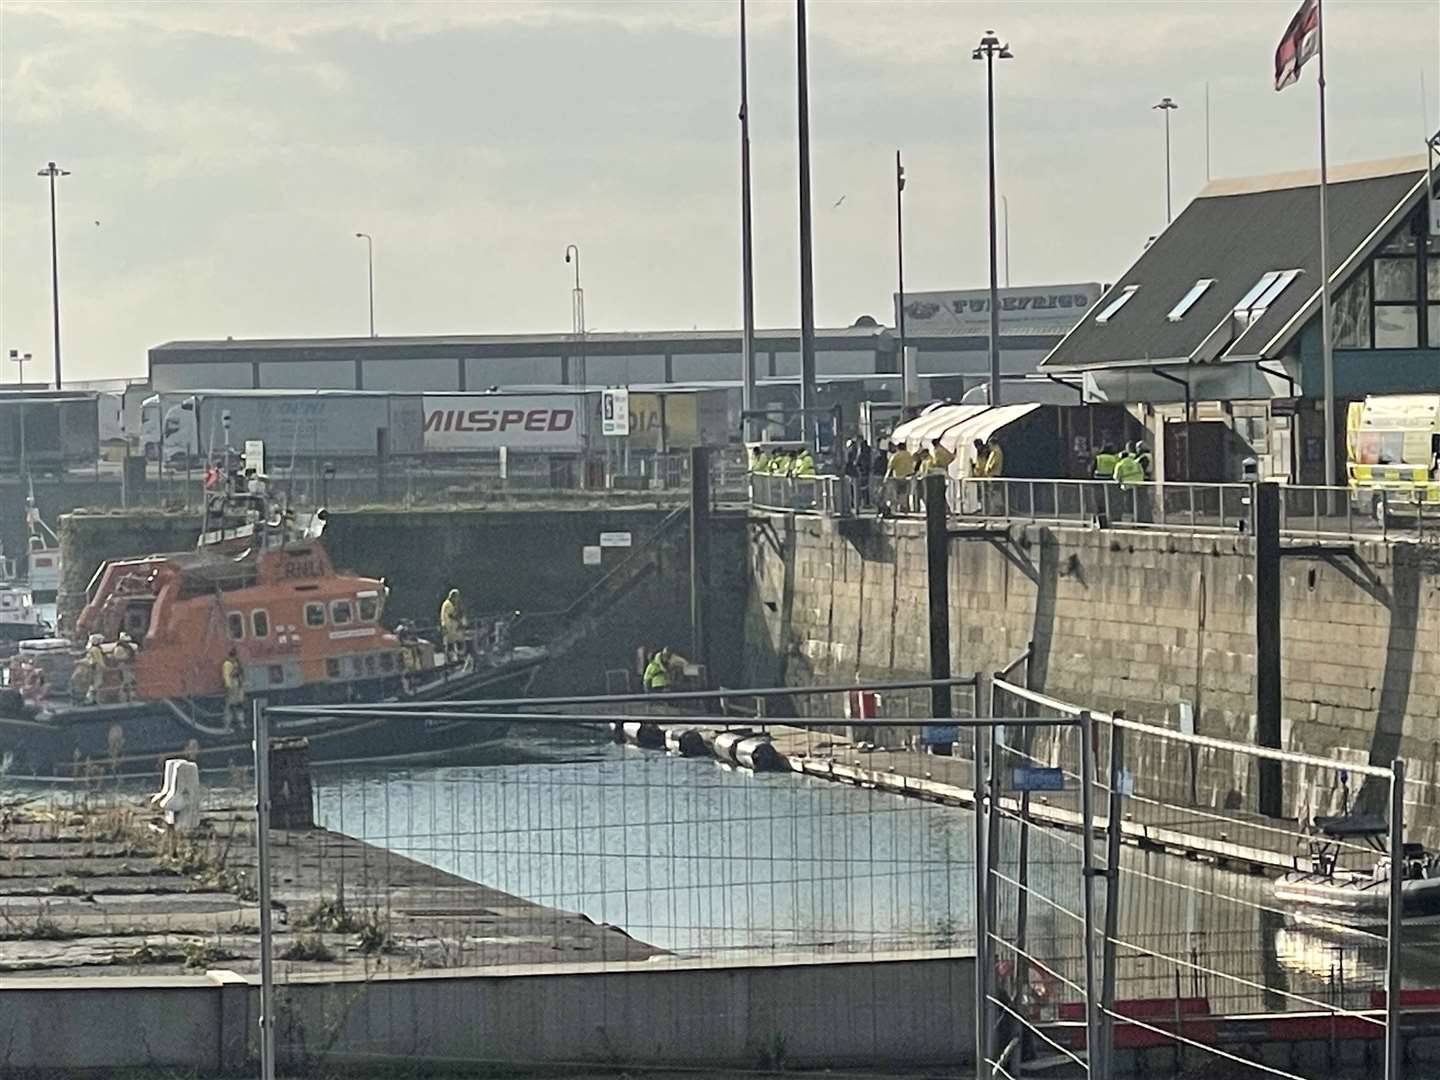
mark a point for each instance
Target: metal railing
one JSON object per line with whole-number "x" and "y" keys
{"x": 827, "y": 496}
{"x": 1304, "y": 510}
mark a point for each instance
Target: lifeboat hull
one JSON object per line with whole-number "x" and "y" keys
{"x": 134, "y": 739}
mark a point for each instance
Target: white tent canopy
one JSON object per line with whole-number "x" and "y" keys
{"x": 957, "y": 427}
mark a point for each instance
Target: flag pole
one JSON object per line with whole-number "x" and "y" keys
{"x": 750, "y": 428}
{"x": 1327, "y": 356}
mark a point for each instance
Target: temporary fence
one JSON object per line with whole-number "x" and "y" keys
{"x": 558, "y": 856}
{"x": 1187, "y": 947}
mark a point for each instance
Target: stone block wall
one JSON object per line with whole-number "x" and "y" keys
{"x": 1148, "y": 622}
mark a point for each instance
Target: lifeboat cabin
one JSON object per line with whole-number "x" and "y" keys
{"x": 302, "y": 631}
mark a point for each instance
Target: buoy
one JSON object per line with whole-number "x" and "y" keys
{"x": 759, "y": 753}
{"x": 642, "y": 733}
{"x": 687, "y": 742}
{"x": 726, "y": 742}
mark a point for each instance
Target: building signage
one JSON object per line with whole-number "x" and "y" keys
{"x": 479, "y": 422}
{"x": 615, "y": 412}
{"x": 939, "y": 734}
{"x": 1041, "y": 309}
{"x": 590, "y": 555}
{"x": 614, "y": 539}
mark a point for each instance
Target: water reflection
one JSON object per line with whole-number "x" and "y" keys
{"x": 696, "y": 858}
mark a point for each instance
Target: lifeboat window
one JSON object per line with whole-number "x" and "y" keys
{"x": 260, "y": 623}
{"x": 137, "y": 620}
{"x": 387, "y": 661}
{"x": 235, "y": 624}
{"x": 314, "y": 614}
{"x": 332, "y": 667}
{"x": 341, "y": 612}
{"x": 277, "y": 674}
{"x": 369, "y": 608}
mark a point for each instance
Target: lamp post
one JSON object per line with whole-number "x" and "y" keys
{"x": 577, "y": 312}
{"x": 1005, "y": 207}
{"x": 21, "y": 359}
{"x": 1166, "y": 106}
{"x": 52, "y": 171}
{"x": 370, "y": 273}
{"x": 907, "y": 383}
{"x": 989, "y": 50}
{"x": 807, "y": 275}
{"x": 747, "y": 263}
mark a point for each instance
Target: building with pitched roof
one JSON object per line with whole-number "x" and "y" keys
{"x": 1212, "y": 338}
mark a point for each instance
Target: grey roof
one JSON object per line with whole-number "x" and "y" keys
{"x": 716, "y": 340}
{"x": 1234, "y": 232}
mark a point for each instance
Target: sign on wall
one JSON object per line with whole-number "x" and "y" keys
{"x": 1042, "y": 309}
{"x": 480, "y": 422}
{"x": 615, "y": 412}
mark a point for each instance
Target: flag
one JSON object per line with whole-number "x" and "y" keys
{"x": 1300, "y": 43}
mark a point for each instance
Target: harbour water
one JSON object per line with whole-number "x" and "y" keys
{"x": 703, "y": 860}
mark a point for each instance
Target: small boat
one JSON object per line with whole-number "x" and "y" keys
{"x": 27, "y": 600}
{"x": 1356, "y": 895}
{"x": 260, "y": 583}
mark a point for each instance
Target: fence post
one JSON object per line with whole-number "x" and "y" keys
{"x": 1394, "y": 1044}
{"x": 262, "y": 873}
{"x": 1087, "y": 828}
{"x": 1112, "y": 897}
{"x": 982, "y": 931}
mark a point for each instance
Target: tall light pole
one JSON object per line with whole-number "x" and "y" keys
{"x": 990, "y": 49}
{"x": 577, "y": 312}
{"x": 907, "y": 383}
{"x": 1005, "y": 203}
{"x": 807, "y": 273}
{"x": 52, "y": 171}
{"x": 370, "y": 272}
{"x": 1166, "y": 106}
{"x": 21, "y": 359}
{"x": 747, "y": 261}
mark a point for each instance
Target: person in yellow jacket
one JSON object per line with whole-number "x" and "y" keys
{"x": 232, "y": 675}
{"x": 95, "y": 664}
{"x": 452, "y": 625}
{"x": 803, "y": 464}
{"x": 1128, "y": 470}
{"x": 657, "y": 672}
{"x": 940, "y": 458}
{"x": 123, "y": 656}
{"x": 989, "y": 459}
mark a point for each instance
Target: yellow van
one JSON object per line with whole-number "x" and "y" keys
{"x": 1393, "y": 454}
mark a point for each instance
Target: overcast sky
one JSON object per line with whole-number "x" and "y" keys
{"x": 223, "y": 155}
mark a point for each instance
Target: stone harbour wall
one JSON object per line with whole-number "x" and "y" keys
{"x": 1148, "y": 622}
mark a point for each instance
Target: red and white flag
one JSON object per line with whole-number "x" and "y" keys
{"x": 1300, "y": 43}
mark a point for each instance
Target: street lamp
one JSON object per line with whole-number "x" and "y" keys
{"x": 370, "y": 270}
{"x": 52, "y": 171}
{"x": 21, "y": 359}
{"x": 577, "y": 311}
{"x": 1005, "y": 204}
{"x": 1166, "y": 106}
{"x": 907, "y": 382}
{"x": 990, "y": 49}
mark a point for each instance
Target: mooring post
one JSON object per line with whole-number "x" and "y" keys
{"x": 1265, "y": 500}
{"x": 1394, "y": 1042}
{"x": 937, "y": 564}
{"x": 699, "y": 554}
{"x": 262, "y": 875}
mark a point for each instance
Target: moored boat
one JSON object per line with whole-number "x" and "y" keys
{"x": 143, "y": 675}
{"x": 1357, "y": 896}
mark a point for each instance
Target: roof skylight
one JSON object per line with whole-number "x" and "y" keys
{"x": 1116, "y": 304}
{"x": 1188, "y": 300}
{"x": 1264, "y": 292}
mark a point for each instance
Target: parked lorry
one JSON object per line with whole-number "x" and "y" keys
{"x": 192, "y": 427}
{"x": 1393, "y": 455}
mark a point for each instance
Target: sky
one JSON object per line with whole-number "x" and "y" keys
{"x": 223, "y": 155}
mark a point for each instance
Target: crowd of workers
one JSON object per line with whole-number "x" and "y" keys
{"x": 1130, "y": 466}
{"x": 782, "y": 462}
